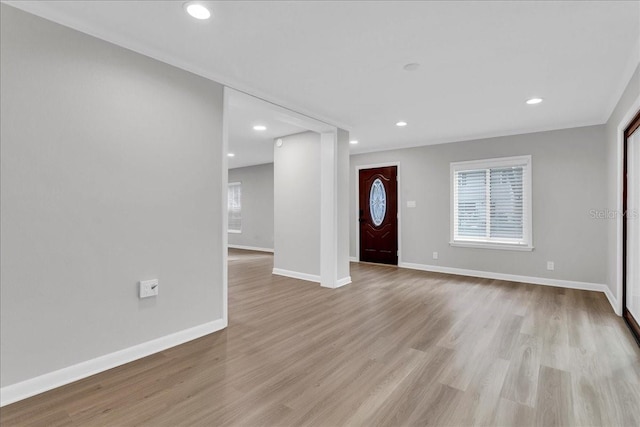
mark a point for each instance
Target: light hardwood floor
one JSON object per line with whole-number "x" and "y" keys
{"x": 396, "y": 347}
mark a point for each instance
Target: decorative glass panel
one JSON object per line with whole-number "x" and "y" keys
{"x": 377, "y": 202}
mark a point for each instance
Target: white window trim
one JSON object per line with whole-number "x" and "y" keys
{"x": 527, "y": 208}
{"x": 237, "y": 183}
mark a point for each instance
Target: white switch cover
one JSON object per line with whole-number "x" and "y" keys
{"x": 411, "y": 203}
{"x": 550, "y": 265}
{"x": 435, "y": 255}
{"x": 148, "y": 288}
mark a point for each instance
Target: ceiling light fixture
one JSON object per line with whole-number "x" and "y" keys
{"x": 401, "y": 124}
{"x": 354, "y": 142}
{"x": 534, "y": 101}
{"x": 230, "y": 155}
{"x": 259, "y": 127}
{"x": 197, "y": 10}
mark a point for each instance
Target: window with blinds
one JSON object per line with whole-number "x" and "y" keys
{"x": 234, "y": 207}
{"x": 491, "y": 203}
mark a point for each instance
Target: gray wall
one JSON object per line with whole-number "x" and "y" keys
{"x": 297, "y": 204}
{"x": 110, "y": 173}
{"x": 569, "y": 180}
{"x": 257, "y": 206}
{"x": 613, "y": 160}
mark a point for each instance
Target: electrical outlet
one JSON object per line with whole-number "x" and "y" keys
{"x": 435, "y": 255}
{"x": 550, "y": 265}
{"x": 148, "y": 288}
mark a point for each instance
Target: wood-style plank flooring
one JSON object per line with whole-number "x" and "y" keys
{"x": 396, "y": 347}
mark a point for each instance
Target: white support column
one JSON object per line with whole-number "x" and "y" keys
{"x": 329, "y": 209}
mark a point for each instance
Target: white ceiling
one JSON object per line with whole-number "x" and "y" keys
{"x": 342, "y": 61}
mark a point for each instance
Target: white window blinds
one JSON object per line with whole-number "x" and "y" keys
{"x": 234, "y": 207}
{"x": 491, "y": 202}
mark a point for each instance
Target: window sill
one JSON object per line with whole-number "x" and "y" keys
{"x": 235, "y": 231}
{"x": 496, "y": 246}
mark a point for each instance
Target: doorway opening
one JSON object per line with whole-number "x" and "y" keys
{"x": 275, "y": 163}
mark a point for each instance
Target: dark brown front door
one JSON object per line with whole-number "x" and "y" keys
{"x": 379, "y": 215}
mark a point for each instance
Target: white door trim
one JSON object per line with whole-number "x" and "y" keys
{"x": 633, "y": 238}
{"x": 224, "y": 201}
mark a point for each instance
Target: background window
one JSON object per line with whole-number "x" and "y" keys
{"x": 491, "y": 203}
{"x": 234, "y": 207}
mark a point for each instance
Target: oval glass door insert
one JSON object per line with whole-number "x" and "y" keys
{"x": 377, "y": 202}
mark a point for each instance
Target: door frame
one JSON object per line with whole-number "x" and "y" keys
{"x": 626, "y": 315}
{"x": 358, "y": 168}
{"x": 623, "y": 124}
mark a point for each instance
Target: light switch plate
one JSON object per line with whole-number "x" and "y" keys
{"x": 148, "y": 288}
{"x": 411, "y": 203}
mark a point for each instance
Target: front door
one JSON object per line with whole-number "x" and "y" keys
{"x": 378, "y": 215}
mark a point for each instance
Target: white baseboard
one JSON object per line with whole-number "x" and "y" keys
{"x": 296, "y": 275}
{"x": 250, "y": 248}
{"x": 353, "y": 259}
{"x": 22, "y": 390}
{"x": 613, "y": 301}
{"x": 342, "y": 282}
{"x": 339, "y": 283}
{"x": 587, "y": 286}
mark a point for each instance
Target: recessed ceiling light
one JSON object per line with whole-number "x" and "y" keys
{"x": 259, "y": 127}
{"x": 354, "y": 142}
{"x": 411, "y": 67}
{"x": 197, "y": 10}
{"x": 534, "y": 101}
{"x": 400, "y": 124}
{"x": 231, "y": 155}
